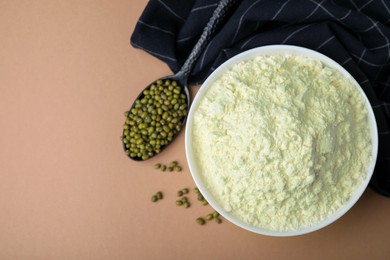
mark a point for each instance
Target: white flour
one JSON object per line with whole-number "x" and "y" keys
{"x": 282, "y": 142}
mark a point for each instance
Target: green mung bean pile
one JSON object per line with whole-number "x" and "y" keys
{"x": 154, "y": 120}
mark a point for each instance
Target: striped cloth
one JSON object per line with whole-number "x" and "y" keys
{"x": 355, "y": 33}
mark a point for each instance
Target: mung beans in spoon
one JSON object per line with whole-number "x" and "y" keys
{"x": 154, "y": 120}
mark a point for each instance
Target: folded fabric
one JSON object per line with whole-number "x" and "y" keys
{"x": 355, "y": 33}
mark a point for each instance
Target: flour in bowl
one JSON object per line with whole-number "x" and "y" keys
{"x": 282, "y": 141}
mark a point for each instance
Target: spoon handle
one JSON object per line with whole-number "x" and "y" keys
{"x": 218, "y": 15}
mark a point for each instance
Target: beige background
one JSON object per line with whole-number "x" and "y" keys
{"x": 67, "y": 191}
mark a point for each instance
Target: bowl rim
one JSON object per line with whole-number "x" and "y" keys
{"x": 270, "y": 50}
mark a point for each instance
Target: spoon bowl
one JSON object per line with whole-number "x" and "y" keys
{"x": 182, "y": 83}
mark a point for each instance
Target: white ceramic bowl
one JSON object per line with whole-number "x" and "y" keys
{"x": 269, "y": 50}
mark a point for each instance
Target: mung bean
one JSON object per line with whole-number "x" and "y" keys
{"x": 200, "y": 221}
{"x": 154, "y": 198}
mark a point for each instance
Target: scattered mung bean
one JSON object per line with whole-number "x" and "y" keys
{"x": 200, "y": 221}
{"x": 173, "y": 164}
{"x": 154, "y": 198}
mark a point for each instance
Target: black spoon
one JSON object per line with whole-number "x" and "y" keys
{"x": 132, "y": 145}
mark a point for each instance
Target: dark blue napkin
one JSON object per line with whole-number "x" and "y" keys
{"x": 355, "y": 33}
